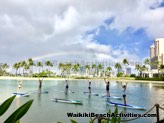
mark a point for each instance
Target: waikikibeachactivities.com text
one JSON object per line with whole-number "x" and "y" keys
{"x": 107, "y": 115}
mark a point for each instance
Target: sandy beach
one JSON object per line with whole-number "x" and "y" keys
{"x": 111, "y": 79}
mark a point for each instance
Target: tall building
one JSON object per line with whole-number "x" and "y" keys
{"x": 157, "y": 52}
{"x": 128, "y": 71}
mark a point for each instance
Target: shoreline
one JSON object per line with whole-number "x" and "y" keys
{"x": 111, "y": 79}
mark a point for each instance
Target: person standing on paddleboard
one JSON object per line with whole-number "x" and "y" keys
{"x": 89, "y": 87}
{"x": 66, "y": 87}
{"x": 124, "y": 94}
{"x": 40, "y": 85}
{"x": 19, "y": 86}
{"x": 107, "y": 87}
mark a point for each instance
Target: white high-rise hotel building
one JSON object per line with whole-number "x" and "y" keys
{"x": 157, "y": 52}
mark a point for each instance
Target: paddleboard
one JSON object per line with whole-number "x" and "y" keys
{"x": 21, "y": 94}
{"x": 126, "y": 106}
{"x": 46, "y": 92}
{"x": 67, "y": 101}
{"x": 38, "y": 92}
{"x": 68, "y": 92}
{"x": 112, "y": 97}
{"x": 94, "y": 94}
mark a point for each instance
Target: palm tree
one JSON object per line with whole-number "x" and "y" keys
{"x": 39, "y": 64}
{"x": 108, "y": 70}
{"x": 99, "y": 68}
{"x": 118, "y": 66}
{"x": 94, "y": 68}
{"x": 157, "y": 65}
{"x": 125, "y": 62}
{"x": 144, "y": 68}
{"x": 62, "y": 67}
{"x": 31, "y": 64}
{"x": 27, "y": 67}
{"x": 49, "y": 64}
{"x": 19, "y": 65}
{"x": 87, "y": 68}
{"x": 23, "y": 63}
{"x": 68, "y": 69}
{"x": 140, "y": 68}
{"x": 161, "y": 68}
{"x": 16, "y": 67}
{"x": 1, "y": 70}
{"x": 4, "y": 67}
{"x": 76, "y": 67}
{"x": 146, "y": 61}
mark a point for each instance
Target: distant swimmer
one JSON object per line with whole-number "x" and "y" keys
{"x": 19, "y": 86}
{"x": 107, "y": 87}
{"x": 89, "y": 87}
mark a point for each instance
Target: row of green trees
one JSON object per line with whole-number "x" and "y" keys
{"x": 97, "y": 70}
{"x": 146, "y": 67}
{"x": 25, "y": 68}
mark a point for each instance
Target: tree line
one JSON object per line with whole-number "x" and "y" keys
{"x": 25, "y": 68}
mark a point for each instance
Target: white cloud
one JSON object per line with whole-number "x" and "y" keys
{"x": 56, "y": 29}
{"x": 141, "y": 17}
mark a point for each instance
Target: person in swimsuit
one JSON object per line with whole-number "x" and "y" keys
{"x": 66, "y": 87}
{"x": 89, "y": 87}
{"x": 107, "y": 87}
{"x": 124, "y": 86}
{"x": 124, "y": 99}
{"x": 19, "y": 86}
{"x": 40, "y": 86}
{"x": 40, "y": 83}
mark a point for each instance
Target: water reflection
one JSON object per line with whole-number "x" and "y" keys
{"x": 39, "y": 93}
{"x": 18, "y": 101}
{"x": 139, "y": 94}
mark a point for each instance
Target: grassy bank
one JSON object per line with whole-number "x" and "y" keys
{"x": 150, "y": 79}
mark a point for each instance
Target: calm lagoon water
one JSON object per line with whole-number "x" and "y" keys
{"x": 43, "y": 110}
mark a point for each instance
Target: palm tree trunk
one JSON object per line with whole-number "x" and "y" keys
{"x": 86, "y": 71}
{"x": 16, "y": 72}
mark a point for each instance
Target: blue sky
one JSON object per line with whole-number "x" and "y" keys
{"x": 136, "y": 41}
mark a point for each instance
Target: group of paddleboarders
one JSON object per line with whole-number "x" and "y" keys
{"x": 20, "y": 86}
{"x": 124, "y": 86}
